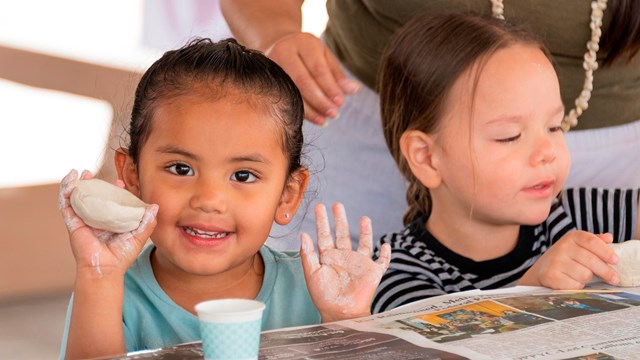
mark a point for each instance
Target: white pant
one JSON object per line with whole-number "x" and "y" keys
{"x": 350, "y": 163}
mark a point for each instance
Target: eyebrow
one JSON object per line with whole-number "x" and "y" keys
{"x": 256, "y": 158}
{"x": 171, "y": 149}
{"x": 508, "y": 118}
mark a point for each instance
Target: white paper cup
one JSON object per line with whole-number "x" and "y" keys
{"x": 230, "y": 328}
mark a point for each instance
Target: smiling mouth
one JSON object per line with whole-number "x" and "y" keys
{"x": 204, "y": 234}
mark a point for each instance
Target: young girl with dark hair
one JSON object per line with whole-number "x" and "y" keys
{"x": 215, "y": 147}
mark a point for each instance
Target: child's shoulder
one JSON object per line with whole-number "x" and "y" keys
{"x": 270, "y": 254}
{"x": 282, "y": 268}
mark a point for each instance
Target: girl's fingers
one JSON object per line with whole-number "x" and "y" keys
{"x": 322, "y": 229}
{"x": 606, "y": 237}
{"x": 150, "y": 214}
{"x": 147, "y": 224}
{"x": 343, "y": 238}
{"x": 569, "y": 281}
{"x": 366, "y": 237}
{"x": 385, "y": 256}
{"x": 596, "y": 266}
{"x": 140, "y": 235}
{"x": 68, "y": 183}
{"x": 595, "y": 255}
{"x": 86, "y": 175}
{"x": 310, "y": 261}
{"x": 596, "y": 247}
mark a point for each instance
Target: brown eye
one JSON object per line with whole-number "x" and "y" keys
{"x": 243, "y": 176}
{"x": 181, "y": 169}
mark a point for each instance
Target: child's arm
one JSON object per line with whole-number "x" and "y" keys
{"x": 342, "y": 282}
{"x": 102, "y": 258}
{"x": 570, "y": 263}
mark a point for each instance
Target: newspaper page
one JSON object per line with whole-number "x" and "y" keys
{"x": 522, "y": 323}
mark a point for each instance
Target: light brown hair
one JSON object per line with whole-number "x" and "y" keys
{"x": 418, "y": 69}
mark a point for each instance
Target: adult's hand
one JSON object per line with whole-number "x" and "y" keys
{"x": 275, "y": 27}
{"x": 316, "y": 72}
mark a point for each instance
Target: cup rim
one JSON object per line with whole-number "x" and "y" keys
{"x": 229, "y": 307}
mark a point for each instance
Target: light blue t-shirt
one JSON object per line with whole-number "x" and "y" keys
{"x": 152, "y": 320}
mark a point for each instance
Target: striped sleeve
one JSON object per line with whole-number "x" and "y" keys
{"x": 404, "y": 282}
{"x": 600, "y": 211}
{"x": 414, "y": 273}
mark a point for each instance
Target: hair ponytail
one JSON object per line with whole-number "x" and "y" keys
{"x": 418, "y": 200}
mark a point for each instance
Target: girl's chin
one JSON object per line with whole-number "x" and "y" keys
{"x": 532, "y": 220}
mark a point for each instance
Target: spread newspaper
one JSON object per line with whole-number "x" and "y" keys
{"x": 600, "y": 322}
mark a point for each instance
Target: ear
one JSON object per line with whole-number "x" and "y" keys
{"x": 418, "y": 149}
{"x": 292, "y": 196}
{"x": 127, "y": 171}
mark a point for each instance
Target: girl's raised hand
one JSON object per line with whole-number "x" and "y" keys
{"x": 571, "y": 263}
{"x": 342, "y": 282}
{"x": 96, "y": 250}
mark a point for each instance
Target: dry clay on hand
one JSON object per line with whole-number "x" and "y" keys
{"x": 104, "y": 206}
{"x": 628, "y": 267}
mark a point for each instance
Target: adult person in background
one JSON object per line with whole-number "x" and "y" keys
{"x": 355, "y": 167}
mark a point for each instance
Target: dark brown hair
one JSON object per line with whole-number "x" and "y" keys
{"x": 418, "y": 69}
{"x": 212, "y": 69}
{"x": 621, "y": 41}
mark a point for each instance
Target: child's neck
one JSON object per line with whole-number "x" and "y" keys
{"x": 473, "y": 239}
{"x": 186, "y": 290}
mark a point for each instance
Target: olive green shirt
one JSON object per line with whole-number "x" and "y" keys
{"x": 358, "y": 30}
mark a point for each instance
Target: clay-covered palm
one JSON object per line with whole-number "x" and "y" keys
{"x": 341, "y": 281}
{"x": 100, "y": 250}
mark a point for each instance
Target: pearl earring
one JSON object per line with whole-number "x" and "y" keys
{"x": 286, "y": 215}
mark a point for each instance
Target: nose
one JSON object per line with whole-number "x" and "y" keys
{"x": 544, "y": 150}
{"x": 209, "y": 196}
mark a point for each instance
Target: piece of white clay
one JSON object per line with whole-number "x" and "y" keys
{"x": 105, "y": 206}
{"x": 628, "y": 267}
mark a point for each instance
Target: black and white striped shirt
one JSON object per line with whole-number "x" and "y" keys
{"x": 422, "y": 267}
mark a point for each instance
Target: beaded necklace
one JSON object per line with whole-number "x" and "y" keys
{"x": 590, "y": 63}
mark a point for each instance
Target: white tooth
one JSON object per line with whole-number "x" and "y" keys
{"x": 205, "y": 234}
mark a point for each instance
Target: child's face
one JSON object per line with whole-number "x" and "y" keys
{"x": 217, "y": 170}
{"x": 506, "y": 160}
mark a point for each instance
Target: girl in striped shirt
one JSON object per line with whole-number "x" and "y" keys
{"x": 473, "y": 117}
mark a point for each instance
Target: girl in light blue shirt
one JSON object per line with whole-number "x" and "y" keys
{"x": 215, "y": 148}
